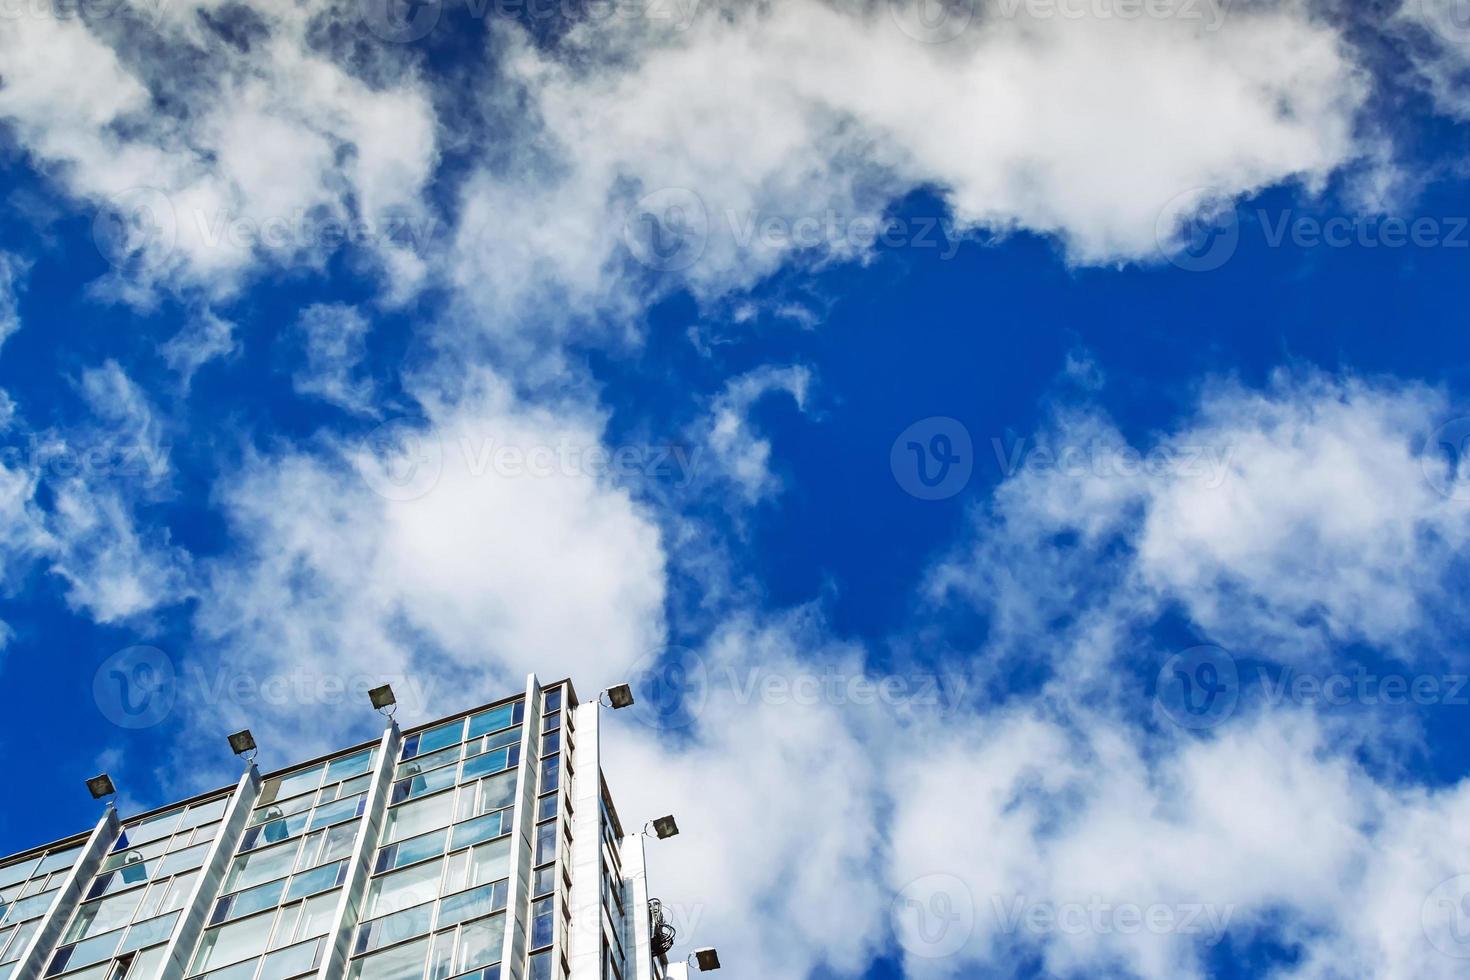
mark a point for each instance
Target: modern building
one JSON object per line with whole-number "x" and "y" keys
{"x": 483, "y": 846}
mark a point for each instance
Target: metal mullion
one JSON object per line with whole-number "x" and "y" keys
{"x": 194, "y": 916}
{"x": 359, "y": 869}
{"x": 43, "y": 942}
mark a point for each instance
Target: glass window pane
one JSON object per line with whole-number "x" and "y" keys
{"x": 29, "y": 908}
{"x": 490, "y": 862}
{"x": 283, "y": 787}
{"x": 318, "y": 915}
{"x": 438, "y": 738}
{"x": 261, "y": 866}
{"x": 394, "y": 928}
{"x": 350, "y": 765}
{"x": 495, "y": 719}
{"x": 150, "y": 931}
{"x": 85, "y": 953}
{"x": 413, "y": 851}
{"x": 497, "y": 792}
{"x": 404, "y": 962}
{"x": 433, "y": 760}
{"x": 233, "y": 942}
{"x": 185, "y": 860}
{"x": 310, "y": 882}
{"x": 103, "y": 915}
{"x": 482, "y": 765}
{"x": 339, "y": 811}
{"x": 18, "y": 940}
{"x": 14, "y": 874}
{"x": 292, "y": 961}
{"x": 469, "y": 904}
{"x": 419, "y": 816}
{"x": 481, "y": 829}
{"x": 403, "y": 889}
{"x": 480, "y": 942}
{"x": 429, "y": 782}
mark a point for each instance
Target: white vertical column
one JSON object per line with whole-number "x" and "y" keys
{"x": 585, "y": 861}
{"x": 523, "y": 830}
{"x": 638, "y": 937}
{"x": 211, "y": 874}
{"x": 43, "y": 943}
{"x": 359, "y": 867}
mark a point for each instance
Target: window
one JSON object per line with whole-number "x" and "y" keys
{"x": 402, "y": 889}
{"x": 257, "y": 867}
{"x": 496, "y": 719}
{"x": 490, "y": 862}
{"x": 480, "y": 943}
{"x": 470, "y": 904}
{"x": 310, "y": 882}
{"x": 350, "y": 765}
{"x": 251, "y": 900}
{"x": 412, "y": 851}
{"x": 418, "y": 816}
{"x": 292, "y": 961}
{"x": 433, "y": 760}
{"x": 232, "y": 943}
{"x": 103, "y": 915}
{"x": 404, "y": 962}
{"x": 394, "y": 928}
{"x": 541, "y": 922}
{"x": 294, "y": 784}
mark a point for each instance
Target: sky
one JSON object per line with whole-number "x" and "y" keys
{"x": 1015, "y": 448}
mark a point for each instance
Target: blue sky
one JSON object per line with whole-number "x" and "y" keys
{"x": 1015, "y": 448}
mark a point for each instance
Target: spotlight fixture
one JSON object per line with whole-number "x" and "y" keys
{"x": 620, "y": 696}
{"x": 706, "y": 959}
{"x": 382, "y": 697}
{"x": 663, "y": 827}
{"x": 242, "y": 742}
{"x": 100, "y": 786}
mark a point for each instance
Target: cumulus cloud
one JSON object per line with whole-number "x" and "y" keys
{"x": 708, "y": 157}
{"x": 208, "y": 156}
{"x": 465, "y": 548}
{"x": 1309, "y": 514}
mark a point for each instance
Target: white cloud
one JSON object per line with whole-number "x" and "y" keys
{"x": 1304, "y": 515}
{"x": 754, "y": 135}
{"x": 741, "y": 455}
{"x": 273, "y": 159}
{"x": 779, "y": 856}
{"x": 203, "y": 339}
{"x": 12, "y": 274}
{"x": 335, "y": 338}
{"x": 458, "y": 547}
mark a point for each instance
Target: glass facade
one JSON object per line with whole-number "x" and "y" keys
{"x": 448, "y": 858}
{"x": 133, "y": 903}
